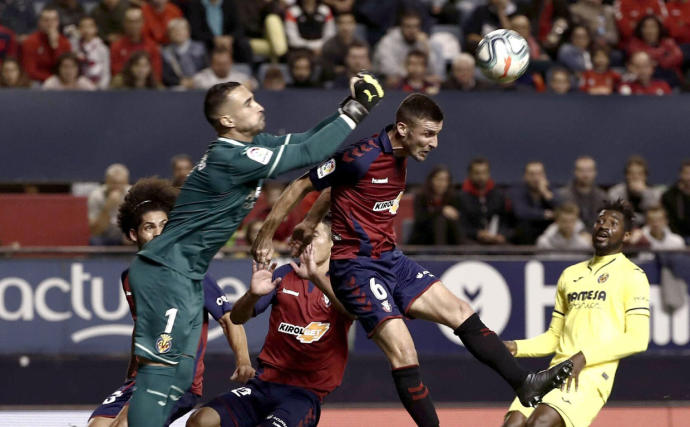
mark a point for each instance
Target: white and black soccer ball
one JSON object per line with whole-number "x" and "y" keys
{"x": 503, "y": 55}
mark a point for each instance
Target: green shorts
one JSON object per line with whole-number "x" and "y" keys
{"x": 169, "y": 308}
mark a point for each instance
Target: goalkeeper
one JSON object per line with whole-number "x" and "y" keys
{"x": 166, "y": 276}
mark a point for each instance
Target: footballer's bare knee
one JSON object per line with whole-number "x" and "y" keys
{"x": 515, "y": 419}
{"x": 396, "y": 342}
{"x": 204, "y": 417}
{"x": 545, "y": 416}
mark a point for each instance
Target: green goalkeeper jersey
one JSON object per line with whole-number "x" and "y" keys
{"x": 223, "y": 187}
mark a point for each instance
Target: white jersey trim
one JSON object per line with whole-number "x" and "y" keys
{"x": 280, "y": 154}
{"x": 231, "y": 141}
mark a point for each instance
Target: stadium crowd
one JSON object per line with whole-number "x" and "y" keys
{"x": 590, "y": 46}
{"x": 479, "y": 211}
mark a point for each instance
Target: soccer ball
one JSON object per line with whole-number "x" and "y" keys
{"x": 503, "y": 55}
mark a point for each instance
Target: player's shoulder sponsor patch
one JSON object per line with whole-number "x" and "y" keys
{"x": 326, "y": 168}
{"x": 259, "y": 154}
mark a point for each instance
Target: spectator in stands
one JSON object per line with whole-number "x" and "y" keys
{"x": 12, "y": 76}
{"x": 559, "y": 81}
{"x": 183, "y": 57}
{"x": 93, "y": 54}
{"x": 274, "y": 79}
{"x": 598, "y": 18}
{"x": 380, "y": 16}
{"x": 567, "y": 231}
{"x": 651, "y": 37}
{"x": 103, "y": 204}
{"x": 462, "y": 75}
{"x": 487, "y": 18}
{"x": 630, "y": 12}
{"x": 263, "y": 24}
{"x": 181, "y": 165}
{"x": 635, "y": 189}
{"x": 437, "y": 211}
{"x": 67, "y": 75}
{"x": 8, "y": 44}
{"x": 340, "y": 7}
{"x": 416, "y": 78}
{"x": 308, "y": 24}
{"x": 676, "y": 200}
{"x": 656, "y": 234}
{"x": 550, "y": 21}
{"x": 137, "y": 73}
{"x": 356, "y": 60}
{"x": 521, "y": 25}
{"x": 220, "y": 71}
{"x": 638, "y": 80}
{"x": 19, "y": 16}
{"x": 42, "y": 48}
{"x": 70, "y": 12}
{"x": 301, "y": 67}
{"x": 584, "y": 191}
{"x": 601, "y": 79}
{"x": 110, "y": 17}
{"x": 391, "y": 52}
{"x": 132, "y": 41}
{"x": 484, "y": 210}
{"x": 533, "y": 204}
{"x": 217, "y": 24}
{"x": 335, "y": 49}
{"x": 575, "y": 55}
{"x": 157, "y": 15}
{"x": 678, "y": 22}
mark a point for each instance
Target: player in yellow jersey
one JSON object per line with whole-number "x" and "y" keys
{"x": 601, "y": 316}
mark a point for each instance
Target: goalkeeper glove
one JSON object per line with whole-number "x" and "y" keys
{"x": 366, "y": 93}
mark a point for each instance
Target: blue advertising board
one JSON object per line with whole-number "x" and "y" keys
{"x": 76, "y": 306}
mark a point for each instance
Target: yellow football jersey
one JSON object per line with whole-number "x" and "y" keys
{"x": 596, "y": 301}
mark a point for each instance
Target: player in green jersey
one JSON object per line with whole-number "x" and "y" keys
{"x": 222, "y": 188}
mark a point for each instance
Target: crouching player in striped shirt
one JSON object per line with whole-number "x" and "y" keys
{"x": 601, "y": 316}
{"x": 304, "y": 356}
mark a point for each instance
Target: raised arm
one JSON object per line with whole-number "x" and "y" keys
{"x": 260, "y": 285}
{"x": 237, "y": 339}
{"x": 262, "y": 249}
{"x": 308, "y": 270}
{"x": 541, "y": 345}
{"x": 304, "y": 231}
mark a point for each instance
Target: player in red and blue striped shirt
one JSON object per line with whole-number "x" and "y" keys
{"x": 375, "y": 281}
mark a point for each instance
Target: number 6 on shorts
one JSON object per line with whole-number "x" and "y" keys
{"x": 378, "y": 290}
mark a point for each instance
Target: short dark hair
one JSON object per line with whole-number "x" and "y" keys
{"x": 148, "y": 194}
{"x": 624, "y": 208}
{"x": 534, "y": 162}
{"x": 49, "y": 8}
{"x": 477, "y": 161}
{"x": 215, "y": 97}
{"x": 67, "y": 56}
{"x": 663, "y": 32}
{"x": 567, "y": 208}
{"x": 419, "y": 54}
{"x": 636, "y": 160}
{"x": 684, "y": 164}
{"x": 221, "y": 51}
{"x": 409, "y": 13}
{"x": 417, "y": 106}
{"x": 357, "y": 44}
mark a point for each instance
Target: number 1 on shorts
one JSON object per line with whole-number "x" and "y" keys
{"x": 170, "y": 314}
